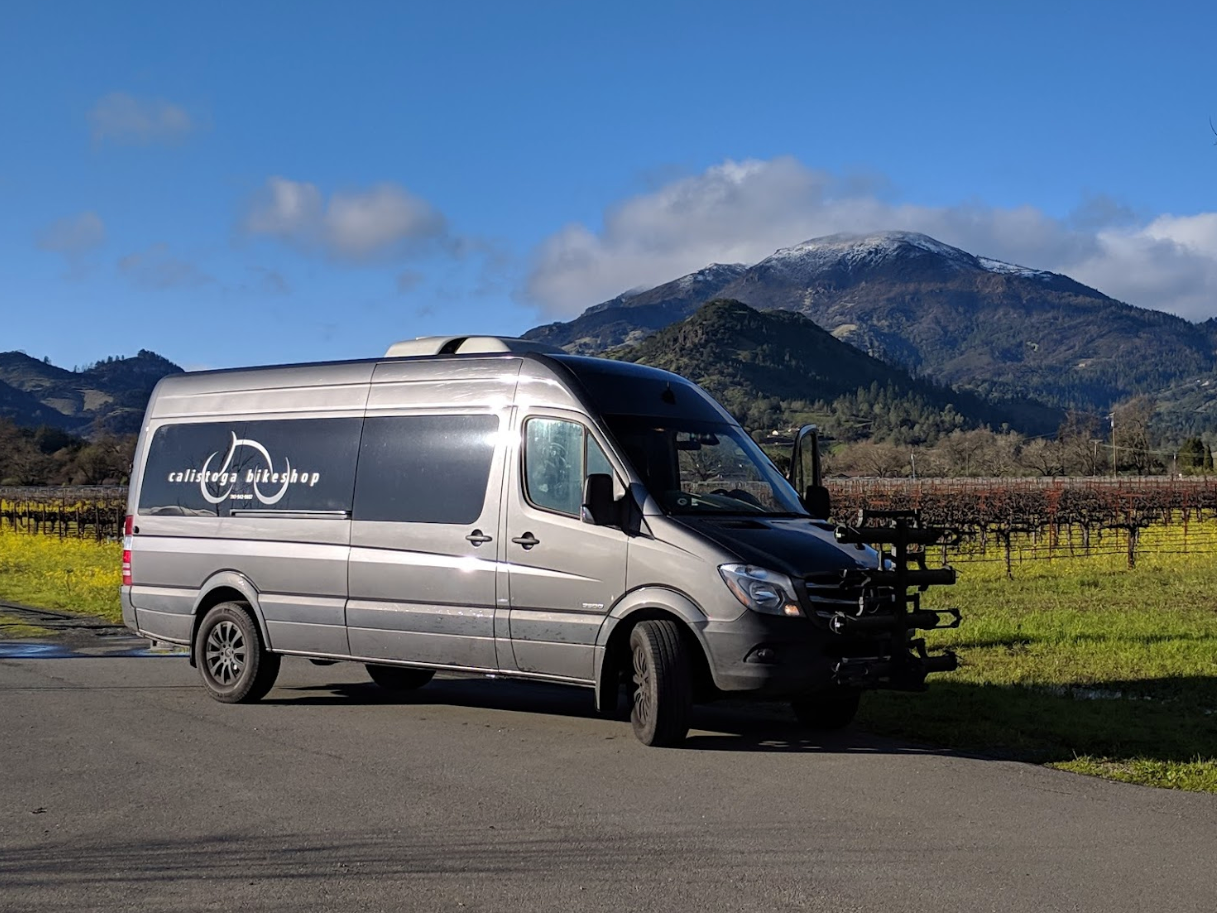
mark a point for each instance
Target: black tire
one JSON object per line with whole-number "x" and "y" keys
{"x": 399, "y": 678}
{"x": 663, "y": 683}
{"x": 235, "y": 666}
{"x": 827, "y": 709}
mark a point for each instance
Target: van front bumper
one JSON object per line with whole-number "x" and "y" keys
{"x": 773, "y": 656}
{"x": 768, "y": 654}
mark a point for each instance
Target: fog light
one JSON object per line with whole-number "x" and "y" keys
{"x": 765, "y": 655}
{"x": 791, "y": 609}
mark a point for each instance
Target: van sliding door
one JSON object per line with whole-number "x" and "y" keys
{"x": 424, "y": 540}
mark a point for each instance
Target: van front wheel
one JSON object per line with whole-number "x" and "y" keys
{"x": 399, "y": 678}
{"x": 663, "y": 685}
{"x": 235, "y": 667}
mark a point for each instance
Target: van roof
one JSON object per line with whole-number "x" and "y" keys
{"x": 613, "y": 387}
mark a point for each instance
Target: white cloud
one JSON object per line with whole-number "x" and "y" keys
{"x": 743, "y": 211}
{"x": 122, "y": 118}
{"x": 74, "y": 235}
{"x": 381, "y": 222}
{"x": 156, "y": 268}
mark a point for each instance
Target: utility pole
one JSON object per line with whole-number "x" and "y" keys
{"x": 1115, "y": 464}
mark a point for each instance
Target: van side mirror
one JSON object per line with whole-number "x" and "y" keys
{"x": 817, "y": 501}
{"x": 599, "y": 507}
{"x": 807, "y": 475}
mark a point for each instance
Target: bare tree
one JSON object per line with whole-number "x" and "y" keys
{"x": 1078, "y": 438}
{"x": 1043, "y": 456}
{"x": 871, "y": 458}
{"x": 1130, "y": 435}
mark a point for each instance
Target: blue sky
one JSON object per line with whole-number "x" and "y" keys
{"x": 257, "y": 183}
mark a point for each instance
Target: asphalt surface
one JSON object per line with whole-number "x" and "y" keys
{"x": 124, "y": 787}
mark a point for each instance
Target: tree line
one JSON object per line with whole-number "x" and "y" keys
{"x": 1124, "y": 442}
{"x": 50, "y": 456}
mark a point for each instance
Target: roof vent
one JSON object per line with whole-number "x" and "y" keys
{"x": 465, "y": 345}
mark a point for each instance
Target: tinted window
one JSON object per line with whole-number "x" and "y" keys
{"x": 558, "y": 456}
{"x": 210, "y": 468}
{"x": 425, "y": 468}
{"x": 703, "y": 467}
{"x": 597, "y": 462}
{"x": 620, "y": 387}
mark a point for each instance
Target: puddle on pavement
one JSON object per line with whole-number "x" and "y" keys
{"x": 32, "y": 651}
{"x": 25, "y": 650}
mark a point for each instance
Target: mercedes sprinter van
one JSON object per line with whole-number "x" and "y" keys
{"x": 488, "y": 505}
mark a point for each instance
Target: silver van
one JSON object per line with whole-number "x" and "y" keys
{"x": 489, "y": 505}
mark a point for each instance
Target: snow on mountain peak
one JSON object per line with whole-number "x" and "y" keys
{"x": 1000, "y": 266}
{"x": 862, "y": 251}
{"x": 712, "y": 272}
{"x": 867, "y": 250}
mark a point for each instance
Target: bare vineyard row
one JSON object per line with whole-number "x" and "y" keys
{"x": 1050, "y": 514}
{"x": 86, "y": 512}
{"x": 1073, "y": 514}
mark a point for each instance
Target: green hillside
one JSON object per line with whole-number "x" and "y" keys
{"x": 777, "y": 368}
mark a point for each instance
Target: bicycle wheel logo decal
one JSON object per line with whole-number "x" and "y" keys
{"x": 247, "y": 464}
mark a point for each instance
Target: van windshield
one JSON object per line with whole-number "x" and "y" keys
{"x": 693, "y": 467}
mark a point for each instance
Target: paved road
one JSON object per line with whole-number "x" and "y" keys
{"x": 123, "y": 787}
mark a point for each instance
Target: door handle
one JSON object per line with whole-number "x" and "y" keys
{"x": 528, "y": 540}
{"x": 477, "y": 537}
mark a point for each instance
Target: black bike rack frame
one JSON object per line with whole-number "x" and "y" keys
{"x": 890, "y": 600}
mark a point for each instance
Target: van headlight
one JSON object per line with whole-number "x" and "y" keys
{"x": 761, "y": 590}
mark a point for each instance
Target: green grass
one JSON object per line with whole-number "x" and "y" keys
{"x": 79, "y": 575}
{"x": 1083, "y": 664}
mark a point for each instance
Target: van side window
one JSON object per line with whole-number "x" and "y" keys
{"x": 199, "y": 469}
{"x": 558, "y": 456}
{"x": 424, "y": 468}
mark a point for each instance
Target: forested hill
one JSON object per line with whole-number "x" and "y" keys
{"x": 777, "y": 368}
{"x": 108, "y": 397}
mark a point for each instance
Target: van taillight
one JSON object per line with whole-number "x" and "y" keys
{"x": 128, "y": 533}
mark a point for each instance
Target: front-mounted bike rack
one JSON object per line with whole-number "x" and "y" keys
{"x": 890, "y": 600}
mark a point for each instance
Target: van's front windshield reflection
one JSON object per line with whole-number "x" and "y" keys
{"x": 703, "y": 468}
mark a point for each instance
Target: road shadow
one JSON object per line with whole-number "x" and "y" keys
{"x": 1169, "y": 719}
{"x": 725, "y": 725}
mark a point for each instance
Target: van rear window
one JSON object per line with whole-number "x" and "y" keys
{"x": 213, "y": 468}
{"x": 425, "y": 468}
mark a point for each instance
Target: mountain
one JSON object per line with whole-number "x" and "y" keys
{"x": 959, "y": 319}
{"x": 108, "y": 397}
{"x": 633, "y": 316}
{"x": 776, "y": 367}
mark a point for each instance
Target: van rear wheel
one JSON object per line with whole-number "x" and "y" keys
{"x": 663, "y": 683}
{"x": 234, "y": 665}
{"x": 828, "y": 709}
{"x": 399, "y": 678}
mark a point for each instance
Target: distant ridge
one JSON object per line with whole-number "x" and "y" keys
{"x": 632, "y": 316}
{"x": 108, "y": 397}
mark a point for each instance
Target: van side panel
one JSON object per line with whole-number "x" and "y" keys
{"x": 263, "y": 492}
{"x": 425, "y": 549}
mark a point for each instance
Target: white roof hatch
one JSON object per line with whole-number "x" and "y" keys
{"x": 465, "y": 345}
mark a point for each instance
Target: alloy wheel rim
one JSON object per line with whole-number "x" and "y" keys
{"x": 225, "y": 653}
{"x": 642, "y": 689}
